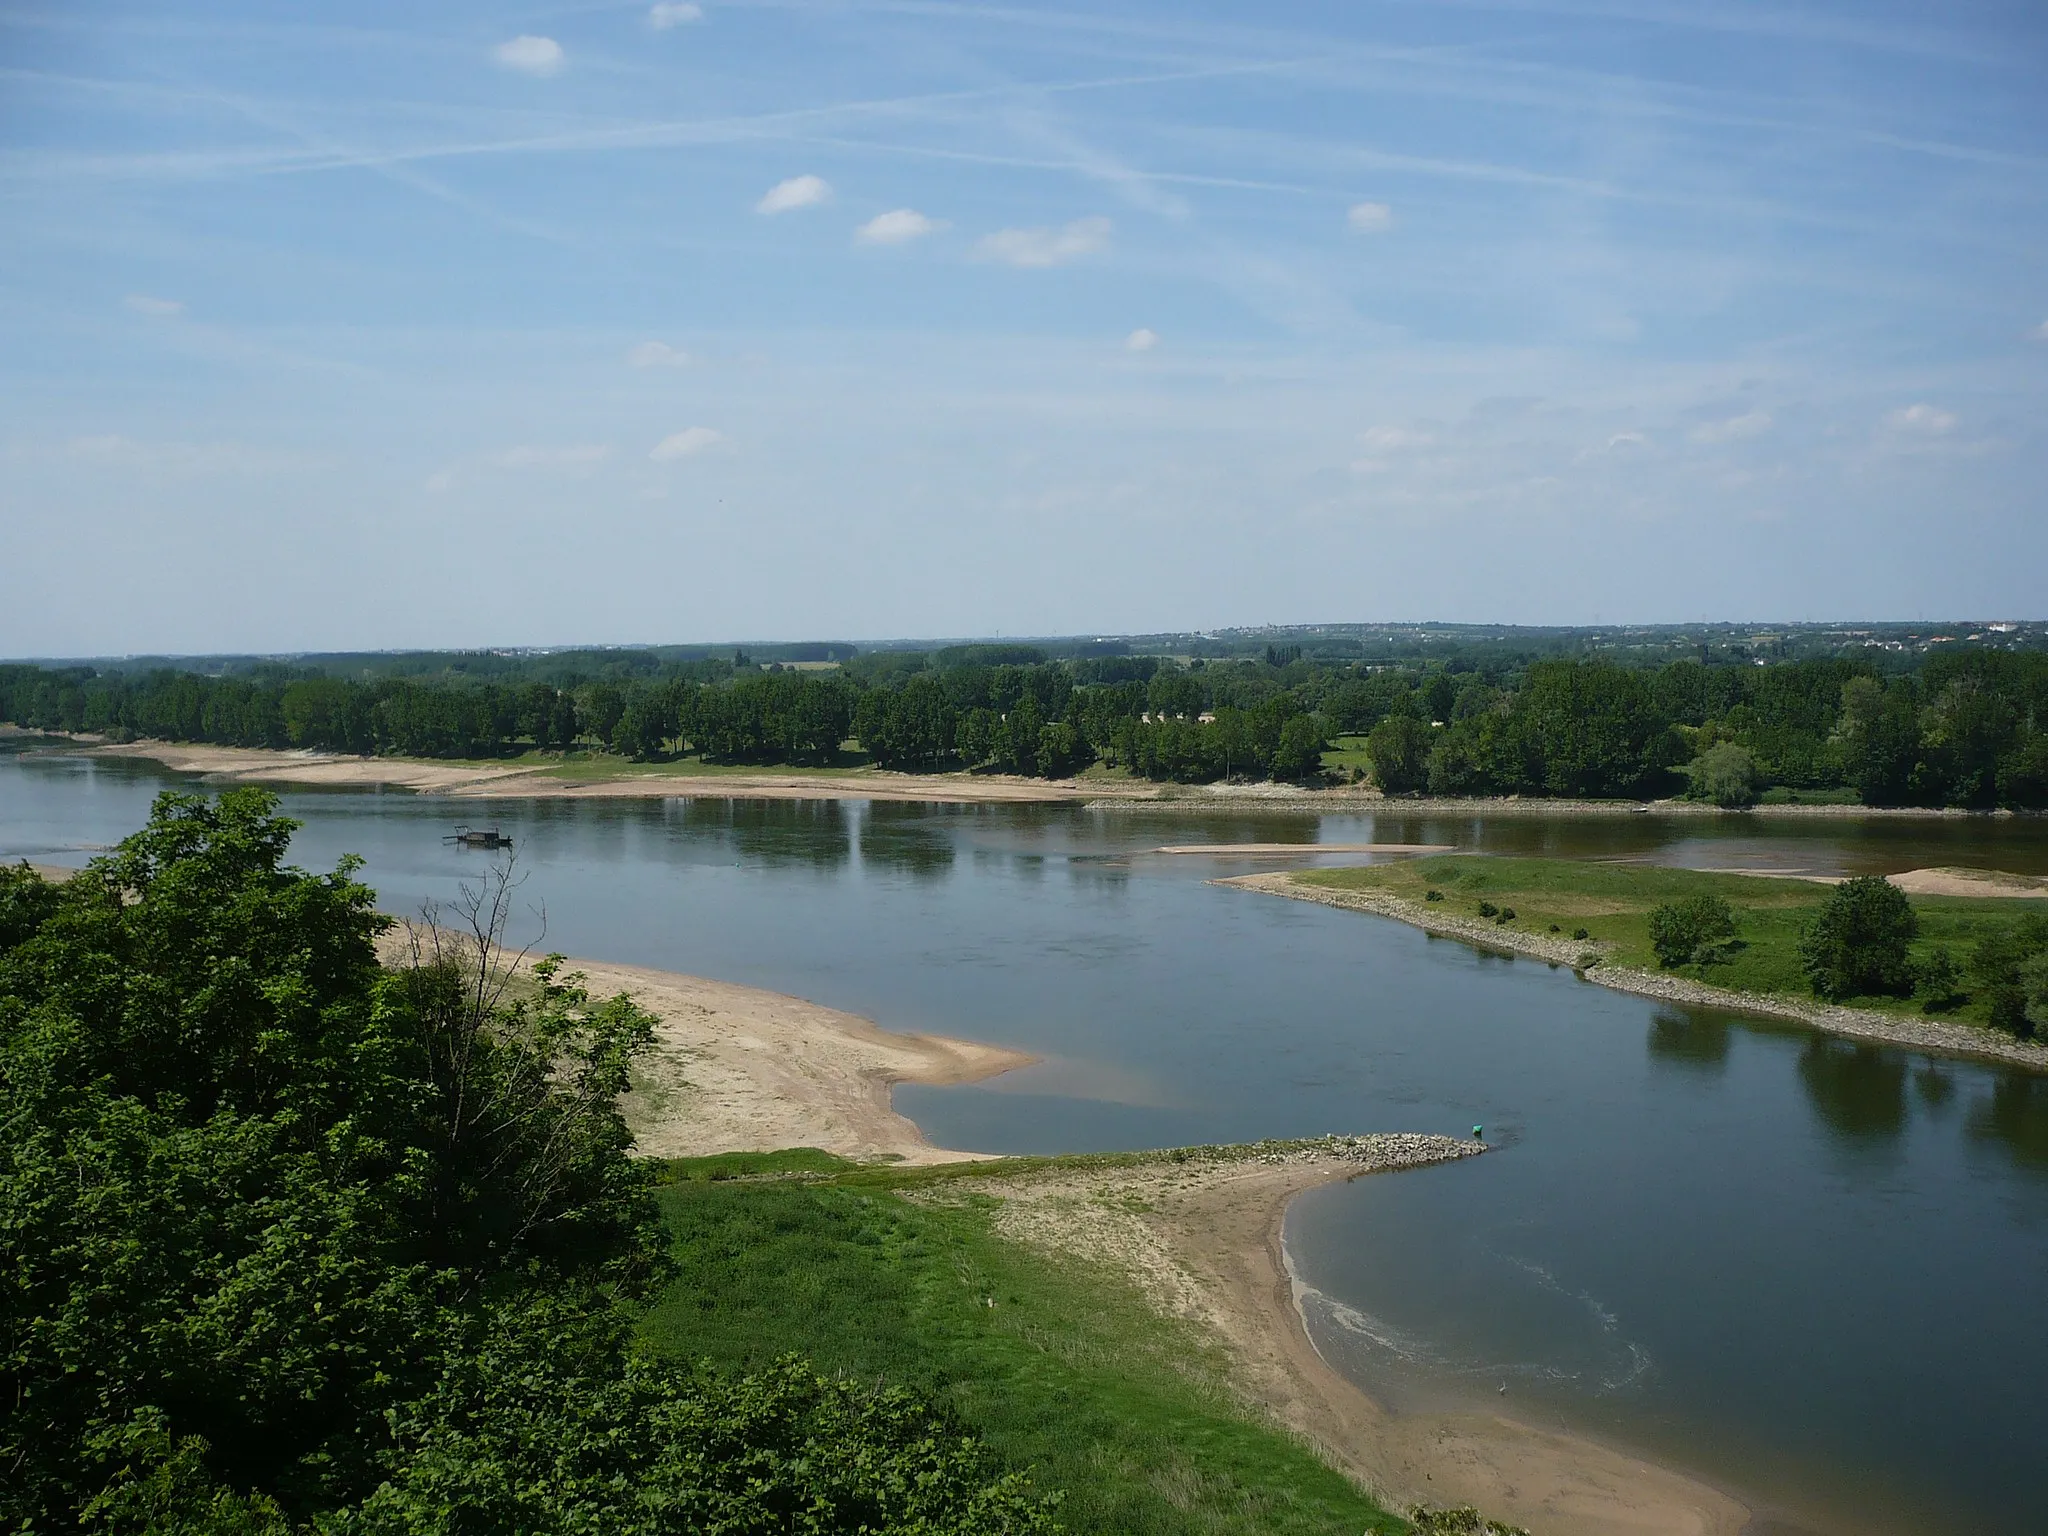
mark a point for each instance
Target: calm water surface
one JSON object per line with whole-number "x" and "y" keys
{"x": 1808, "y": 1270}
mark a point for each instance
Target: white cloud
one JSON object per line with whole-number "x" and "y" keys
{"x": 1141, "y": 340}
{"x": 535, "y": 456}
{"x": 657, "y": 354}
{"x": 1392, "y": 439}
{"x": 797, "y": 192}
{"x": 118, "y": 452}
{"x": 686, "y": 444}
{"x": 1370, "y": 218}
{"x": 2040, "y": 332}
{"x": 530, "y": 55}
{"x": 1734, "y": 429}
{"x": 1921, "y": 420}
{"x": 673, "y": 13}
{"x": 146, "y": 304}
{"x": 1622, "y": 440}
{"x": 1045, "y": 247}
{"x": 895, "y": 227}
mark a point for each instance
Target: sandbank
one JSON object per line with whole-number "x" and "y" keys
{"x": 541, "y": 781}
{"x": 739, "y": 1069}
{"x": 1944, "y": 881}
{"x": 1200, "y": 1233}
{"x": 1300, "y": 850}
{"x": 1929, "y": 1035}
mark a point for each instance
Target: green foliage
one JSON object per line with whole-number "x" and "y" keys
{"x": 1726, "y": 774}
{"x": 1695, "y": 931}
{"x": 1399, "y": 747}
{"x": 515, "y": 1438}
{"x": 1971, "y": 729}
{"x": 1859, "y": 943}
{"x": 2010, "y": 972}
{"x": 1938, "y": 979}
{"x": 282, "y": 1230}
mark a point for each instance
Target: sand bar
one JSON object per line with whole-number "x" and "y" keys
{"x": 1300, "y": 850}
{"x": 739, "y": 1069}
{"x": 1930, "y": 1035}
{"x": 1200, "y": 1233}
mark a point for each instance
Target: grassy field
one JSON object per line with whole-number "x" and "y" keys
{"x": 1063, "y": 1372}
{"x": 1612, "y": 903}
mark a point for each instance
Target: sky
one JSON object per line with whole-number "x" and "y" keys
{"x": 390, "y": 325}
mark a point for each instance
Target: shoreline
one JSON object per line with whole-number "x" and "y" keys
{"x": 1929, "y": 1036}
{"x": 482, "y": 780}
{"x": 742, "y": 1069}
{"x": 1201, "y": 1233}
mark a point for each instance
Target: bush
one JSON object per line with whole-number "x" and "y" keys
{"x": 2010, "y": 970}
{"x": 1858, "y": 945}
{"x": 1695, "y": 931}
{"x": 1727, "y": 775}
{"x": 1434, "y": 896}
{"x": 1938, "y": 979}
{"x": 1488, "y": 909}
{"x": 1580, "y": 933}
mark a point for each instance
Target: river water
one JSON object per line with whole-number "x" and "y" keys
{"x": 1809, "y": 1271}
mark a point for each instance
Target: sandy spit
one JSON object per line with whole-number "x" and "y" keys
{"x": 737, "y": 1069}
{"x": 1929, "y": 1035}
{"x": 1200, "y": 1233}
{"x": 231, "y": 765}
{"x": 1300, "y": 850}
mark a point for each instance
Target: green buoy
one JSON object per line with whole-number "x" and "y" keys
{"x": 1479, "y": 1133}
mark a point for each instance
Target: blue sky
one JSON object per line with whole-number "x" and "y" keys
{"x": 390, "y": 325}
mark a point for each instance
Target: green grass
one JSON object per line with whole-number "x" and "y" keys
{"x": 1783, "y": 796}
{"x": 1069, "y": 1374}
{"x": 1346, "y": 753}
{"x": 1613, "y": 901}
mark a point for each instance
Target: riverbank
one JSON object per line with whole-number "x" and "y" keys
{"x": 739, "y": 1069}
{"x": 617, "y": 779}
{"x": 1591, "y": 960}
{"x": 1200, "y": 1232}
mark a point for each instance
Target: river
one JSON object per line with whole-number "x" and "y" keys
{"x": 1808, "y": 1271}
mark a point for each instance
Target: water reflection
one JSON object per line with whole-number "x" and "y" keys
{"x": 1859, "y": 1090}
{"x": 2016, "y": 1115}
{"x": 907, "y": 839}
{"x": 777, "y": 833}
{"x": 1696, "y": 1041}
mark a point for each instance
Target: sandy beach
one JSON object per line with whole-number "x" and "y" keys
{"x": 1930, "y": 1035}
{"x": 539, "y": 781}
{"x": 737, "y": 1069}
{"x": 1200, "y": 1233}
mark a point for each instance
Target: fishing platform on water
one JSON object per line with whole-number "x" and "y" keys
{"x": 478, "y": 837}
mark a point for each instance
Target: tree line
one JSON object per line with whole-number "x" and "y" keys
{"x": 1970, "y": 728}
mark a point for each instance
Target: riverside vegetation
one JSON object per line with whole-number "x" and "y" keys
{"x": 1968, "y": 959}
{"x": 294, "y": 1240}
{"x": 1959, "y": 727}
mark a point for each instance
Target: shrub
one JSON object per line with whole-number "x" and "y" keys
{"x": 1857, "y": 945}
{"x": 1488, "y": 909}
{"x": 1434, "y": 896}
{"x": 1691, "y": 932}
{"x": 2010, "y": 971}
{"x": 1580, "y": 933}
{"x": 1507, "y": 914}
{"x": 1938, "y": 979}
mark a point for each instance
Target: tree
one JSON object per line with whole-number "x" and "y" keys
{"x": 1695, "y": 931}
{"x": 1299, "y": 755}
{"x": 1726, "y": 774}
{"x": 1938, "y": 979}
{"x": 1399, "y": 749}
{"x": 2010, "y": 971}
{"x": 290, "y": 1240}
{"x": 1858, "y": 944}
